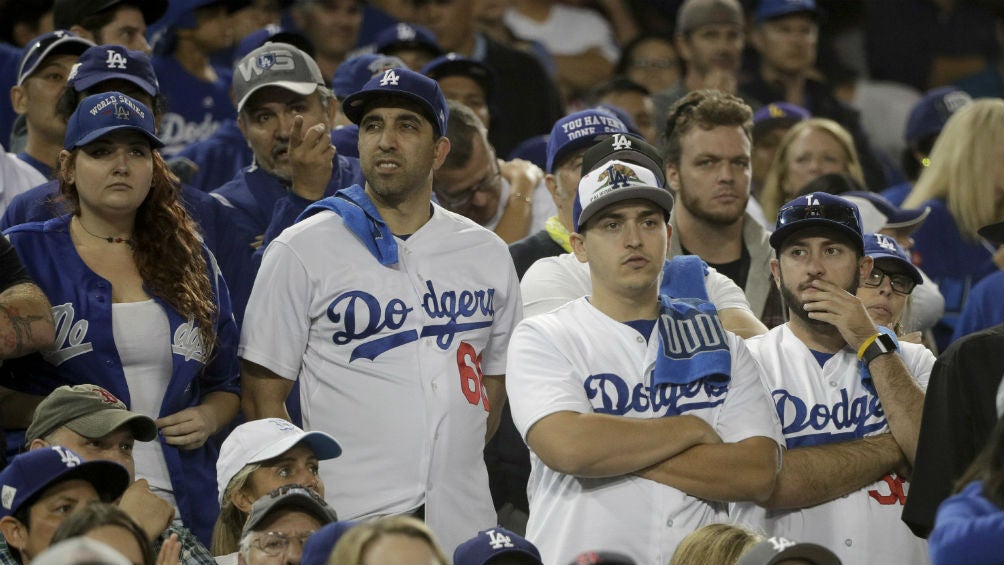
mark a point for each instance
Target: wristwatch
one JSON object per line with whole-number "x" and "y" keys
{"x": 881, "y": 345}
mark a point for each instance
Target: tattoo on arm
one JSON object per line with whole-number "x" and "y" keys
{"x": 16, "y": 338}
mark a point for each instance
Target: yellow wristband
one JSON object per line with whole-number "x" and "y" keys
{"x": 869, "y": 341}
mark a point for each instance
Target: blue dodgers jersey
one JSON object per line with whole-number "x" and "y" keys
{"x": 195, "y": 108}
{"x": 219, "y": 158}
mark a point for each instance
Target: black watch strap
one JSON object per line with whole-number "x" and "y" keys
{"x": 881, "y": 345}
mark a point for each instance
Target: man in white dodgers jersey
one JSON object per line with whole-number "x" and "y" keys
{"x": 395, "y": 315}
{"x": 644, "y": 416}
{"x": 848, "y": 396}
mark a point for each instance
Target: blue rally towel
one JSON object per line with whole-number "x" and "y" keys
{"x": 362, "y": 219}
{"x": 866, "y": 375}
{"x": 692, "y": 343}
{"x": 683, "y": 277}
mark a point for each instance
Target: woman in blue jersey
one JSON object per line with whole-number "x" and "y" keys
{"x": 140, "y": 305}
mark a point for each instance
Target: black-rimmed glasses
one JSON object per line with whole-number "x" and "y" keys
{"x": 899, "y": 282}
{"x": 459, "y": 200}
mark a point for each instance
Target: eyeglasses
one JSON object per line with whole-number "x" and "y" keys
{"x": 661, "y": 64}
{"x": 459, "y": 200}
{"x": 899, "y": 282}
{"x": 832, "y": 212}
{"x": 277, "y": 543}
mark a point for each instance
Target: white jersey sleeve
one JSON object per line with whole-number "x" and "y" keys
{"x": 508, "y": 306}
{"x": 749, "y": 410}
{"x": 724, "y": 293}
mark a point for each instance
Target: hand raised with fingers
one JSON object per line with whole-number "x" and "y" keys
{"x": 310, "y": 155}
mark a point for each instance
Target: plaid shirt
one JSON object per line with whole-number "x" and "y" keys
{"x": 192, "y": 550}
{"x": 6, "y": 557}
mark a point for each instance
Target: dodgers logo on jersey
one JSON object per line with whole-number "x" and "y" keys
{"x": 70, "y": 335}
{"x": 115, "y": 60}
{"x": 188, "y": 342}
{"x": 847, "y": 418}
{"x": 362, "y": 316}
{"x": 611, "y": 394}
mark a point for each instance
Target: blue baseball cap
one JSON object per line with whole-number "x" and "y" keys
{"x": 821, "y": 210}
{"x": 107, "y": 62}
{"x": 615, "y": 181}
{"x": 930, "y": 114}
{"x": 895, "y": 217}
{"x": 781, "y": 111}
{"x": 353, "y": 73}
{"x": 770, "y": 9}
{"x": 491, "y": 543}
{"x": 402, "y": 83}
{"x": 881, "y": 246}
{"x": 274, "y": 34}
{"x": 319, "y": 545}
{"x": 579, "y": 130}
{"x": 455, "y": 64}
{"x": 407, "y": 36}
{"x": 32, "y": 472}
{"x": 100, "y": 114}
{"x": 59, "y": 42}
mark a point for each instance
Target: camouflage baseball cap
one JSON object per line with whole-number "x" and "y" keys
{"x": 88, "y": 410}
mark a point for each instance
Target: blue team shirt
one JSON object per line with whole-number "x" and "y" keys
{"x": 219, "y": 157}
{"x": 195, "y": 108}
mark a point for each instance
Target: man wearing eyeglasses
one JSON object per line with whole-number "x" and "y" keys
{"x": 507, "y": 197}
{"x": 280, "y": 523}
{"x": 849, "y": 396}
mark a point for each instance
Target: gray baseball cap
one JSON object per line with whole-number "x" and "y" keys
{"x": 776, "y": 549}
{"x": 275, "y": 64}
{"x": 289, "y": 497}
{"x": 88, "y": 410}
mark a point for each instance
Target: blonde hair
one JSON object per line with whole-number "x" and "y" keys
{"x": 773, "y": 196}
{"x": 230, "y": 522}
{"x": 352, "y": 546}
{"x": 962, "y": 163}
{"x": 715, "y": 544}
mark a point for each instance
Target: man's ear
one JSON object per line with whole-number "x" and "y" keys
{"x": 441, "y": 151}
{"x": 38, "y": 443}
{"x": 775, "y": 269}
{"x": 14, "y": 532}
{"x": 19, "y": 99}
{"x": 577, "y": 240}
{"x": 673, "y": 177}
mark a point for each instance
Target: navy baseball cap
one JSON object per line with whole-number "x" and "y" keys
{"x": 929, "y": 115}
{"x": 770, "y": 9}
{"x": 275, "y": 64}
{"x": 30, "y": 473}
{"x": 274, "y": 34}
{"x": 781, "y": 111}
{"x": 895, "y": 216}
{"x": 994, "y": 233}
{"x": 624, "y": 147}
{"x": 881, "y": 246}
{"x": 100, "y": 114}
{"x": 68, "y": 13}
{"x": 291, "y": 497}
{"x": 579, "y": 130}
{"x": 107, "y": 62}
{"x": 616, "y": 181}
{"x": 491, "y": 543}
{"x": 353, "y": 73}
{"x": 59, "y": 42}
{"x": 407, "y": 36}
{"x": 319, "y": 545}
{"x": 777, "y": 549}
{"x": 402, "y": 83}
{"x": 454, "y": 64}
{"x": 818, "y": 209}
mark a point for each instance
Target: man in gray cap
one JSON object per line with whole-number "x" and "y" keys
{"x": 280, "y": 523}
{"x": 97, "y": 426}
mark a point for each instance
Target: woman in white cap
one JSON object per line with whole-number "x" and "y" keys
{"x": 255, "y": 459}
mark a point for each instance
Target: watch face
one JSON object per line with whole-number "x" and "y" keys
{"x": 887, "y": 342}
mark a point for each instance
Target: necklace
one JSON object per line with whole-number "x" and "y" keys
{"x": 126, "y": 240}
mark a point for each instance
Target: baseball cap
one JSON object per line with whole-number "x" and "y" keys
{"x": 107, "y": 62}
{"x": 403, "y": 83}
{"x": 776, "y": 549}
{"x": 68, "y": 13}
{"x": 261, "y": 440}
{"x": 818, "y": 209}
{"x": 275, "y": 34}
{"x": 881, "y": 246}
{"x": 101, "y": 114}
{"x": 80, "y": 550}
{"x": 88, "y": 410}
{"x": 601, "y": 558}
{"x": 624, "y": 147}
{"x": 289, "y": 497}
{"x": 578, "y": 131}
{"x": 491, "y": 543}
{"x": 696, "y": 13}
{"x": 616, "y": 181}
{"x": 993, "y": 232}
{"x": 929, "y": 115}
{"x": 275, "y": 64}
{"x": 353, "y": 73}
{"x": 407, "y": 36}
{"x": 319, "y": 545}
{"x": 32, "y": 472}
{"x": 777, "y": 114}
{"x": 770, "y": 9}
{"x": 895, "y": 216}
{"x": 59, "y": 42}
{"x": 454, "y": 64}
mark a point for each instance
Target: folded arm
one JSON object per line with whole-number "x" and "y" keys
{"x": 263, "y": 393}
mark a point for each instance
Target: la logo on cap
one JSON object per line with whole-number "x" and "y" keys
{"x": 781, "y": 544}
{"x": 620, "y": 142}
{"x": 499, "y": 540}
{"x": 617, "y": 176}
{"x": 405, "y": 32}
{"x": 121, "y": 112}
{"x": 390, "y": 77}
{"x": 884, "y": 242}
{"x": 116, "y": 60}
{"x": 7, "y": 496}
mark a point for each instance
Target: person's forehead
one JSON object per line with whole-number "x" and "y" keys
{"x": 459, "y": 81}
{"x": 715, "y": 140}
{"x": 816, "y": 235}
{"x": 393, "y": 106}
{"x": 62, "y": 60}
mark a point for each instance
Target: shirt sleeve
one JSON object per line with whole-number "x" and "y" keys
{"x": 749, "y": 410}
{"x": 725, "y": 293}
{"x": 12, "y": 272}
{"x": 969, "y": 530}
{"x": 550, "y": 283}
{"x": 508, "y": 307}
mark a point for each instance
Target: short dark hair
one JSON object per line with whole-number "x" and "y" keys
{"x": 20, "y": 12}
{"x": 461, "y": 129}
{"x": 705, "y": 109}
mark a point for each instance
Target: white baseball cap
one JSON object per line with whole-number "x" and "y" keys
{"x": 261, "y": 440}
{"x": 616, "y": 181}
